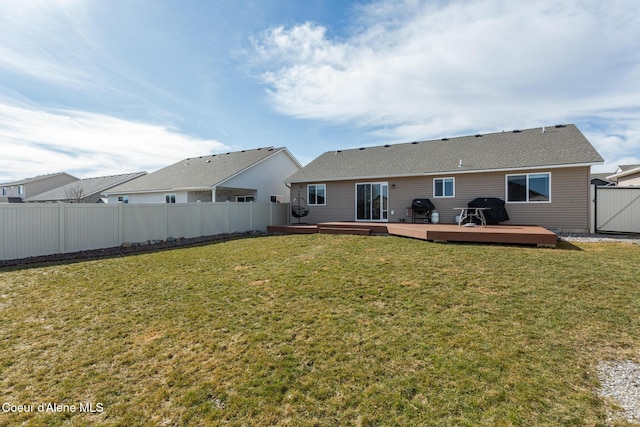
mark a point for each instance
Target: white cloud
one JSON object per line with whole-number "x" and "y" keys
{"x": 88, "y": 144}
{"x": 420, "y": 69}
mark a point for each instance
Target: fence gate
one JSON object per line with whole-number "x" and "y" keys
{"x": 617, "y": 209}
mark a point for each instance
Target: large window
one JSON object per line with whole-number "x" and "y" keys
{"x": 372, "y": 201}
{"x": 317, "y": 194}
{"x": 529, "y": 188}
{"x": 170, "y": 198}
{"x": 444, "y": 187}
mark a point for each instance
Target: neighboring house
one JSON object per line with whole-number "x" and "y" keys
{"x": 601, "y": 180}
{"x": 542, "y": 174}
{"x": 20, "y": 190}
{"x": 626, "y": 176}
{"x": 88, "y": 190}
{"x": 242, "y": 176}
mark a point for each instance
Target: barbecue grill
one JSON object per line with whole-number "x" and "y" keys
{"x": 421, "y": 209}
{"x": 495, "y": 211}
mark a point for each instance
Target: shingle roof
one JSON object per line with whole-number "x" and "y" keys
{"x": 194, "y": 173}
{"x": 625, "y": 170}
{"x": 85, "y": 187}
{"x": 555, "y": 146}
{"x": 36, "y": 178}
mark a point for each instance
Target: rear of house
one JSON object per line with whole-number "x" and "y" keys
{"x": 542, "y": 174}
{"x": 241, "y": 176}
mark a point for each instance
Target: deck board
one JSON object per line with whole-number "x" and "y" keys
{"x": 508, "y": 234}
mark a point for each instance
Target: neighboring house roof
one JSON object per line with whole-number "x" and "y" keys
{"x": 36, "y": 178}
{"x": 560, "y": 145}
{"x": 198, "y": 173}
{"x": 601, "y": 179}
{"x": 84, "y": 188}
{"x": 624, "y": 170}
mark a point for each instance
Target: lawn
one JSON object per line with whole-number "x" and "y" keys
{"x": 319, "y": 330}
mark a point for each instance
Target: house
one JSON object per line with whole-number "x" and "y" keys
{"x": 626, "y": 176}
{"x": 542, "y": 174}
{"x": 18, "y": 191}
{"x": 242, "y": 176}
{"x": 88, "y": 190}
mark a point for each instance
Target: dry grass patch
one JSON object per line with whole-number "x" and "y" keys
{"x": 321, "y": 330}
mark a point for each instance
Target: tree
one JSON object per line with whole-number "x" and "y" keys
{"x": 74, "y": 194}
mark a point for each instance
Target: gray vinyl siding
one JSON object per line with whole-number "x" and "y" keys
{"x": 567, "y": 211}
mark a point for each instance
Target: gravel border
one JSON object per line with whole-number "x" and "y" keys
{"x": 620, "y": 381}
{"x": 588, "y": 237}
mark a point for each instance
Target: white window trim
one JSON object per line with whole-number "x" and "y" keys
{"x": 506, "y": 188}
{"x": 443, "y": 187}
{"x": 325, "y": 195}
{"x": 245, "y": 197}
{"x": 170, "y": 194}
{"x": 123, "y": 199}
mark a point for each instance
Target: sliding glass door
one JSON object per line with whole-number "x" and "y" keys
{"x": 372, "y": 201}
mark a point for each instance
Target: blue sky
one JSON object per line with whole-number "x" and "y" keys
{"x": 96, "y": 87}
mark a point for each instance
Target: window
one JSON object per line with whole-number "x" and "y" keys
{"x": 317, "y": 194}
{"x": 4, "y": 191}
{"x": 170, "y": 198}
{"x": 123, "y": 199}
{"x": 276, "y": 198}
{"x": 245, "y": 199}
{"x": 21, "y": 189}
{"x": 444, "y": 187}
{"x": 531, "y": 187}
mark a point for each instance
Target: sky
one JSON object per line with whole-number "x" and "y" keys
{"x": 102, "y": 87}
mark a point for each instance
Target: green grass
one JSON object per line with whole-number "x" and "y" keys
{"x": 321, "y": 330}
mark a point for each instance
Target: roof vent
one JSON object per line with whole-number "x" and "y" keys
{"x": 338, "y": 151}
{"x": 208, "y": 161}
{"x": 516, "y": 131}
{"x": 478, "y": 135}
{"x": 460, "y": 163}
{"x": 445, "y": 139}
{"x": 361, "y": 148}
{"x": 259, "y": 148}
{"x": 560, "y": 126}
{"x": 243, "y": 151}
{"x": 270, "y": 149}
{"x": 414, "y": 142}
{"x": 387, "y": 146}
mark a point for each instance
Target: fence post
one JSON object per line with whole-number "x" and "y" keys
{"x": 594, "y": 209}
{"x": 271, "y": 213}
{"x": 62, "y": 244}
{"x": 120, "y": 224}
{"x": 250, "y": 216}
{"x": 166, "y": 221}
{"x": 227, "y": 217}
{"x": 200, "y": 218}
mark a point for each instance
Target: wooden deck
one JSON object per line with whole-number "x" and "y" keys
{"x": 508, "y": 234}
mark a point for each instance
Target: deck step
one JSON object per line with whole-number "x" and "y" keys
{"x": 345, "y": 230}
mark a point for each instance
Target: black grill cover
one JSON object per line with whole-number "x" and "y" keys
{"x": 496, "y": 212}
{"x": 422, "y": 205}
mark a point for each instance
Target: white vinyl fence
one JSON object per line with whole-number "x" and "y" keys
{"x": 617, "y": 209}
{"x": 42, "y": 229}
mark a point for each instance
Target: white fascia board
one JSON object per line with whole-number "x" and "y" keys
{"x": 625, "y": 173}
{"x": 446, "y": 172}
